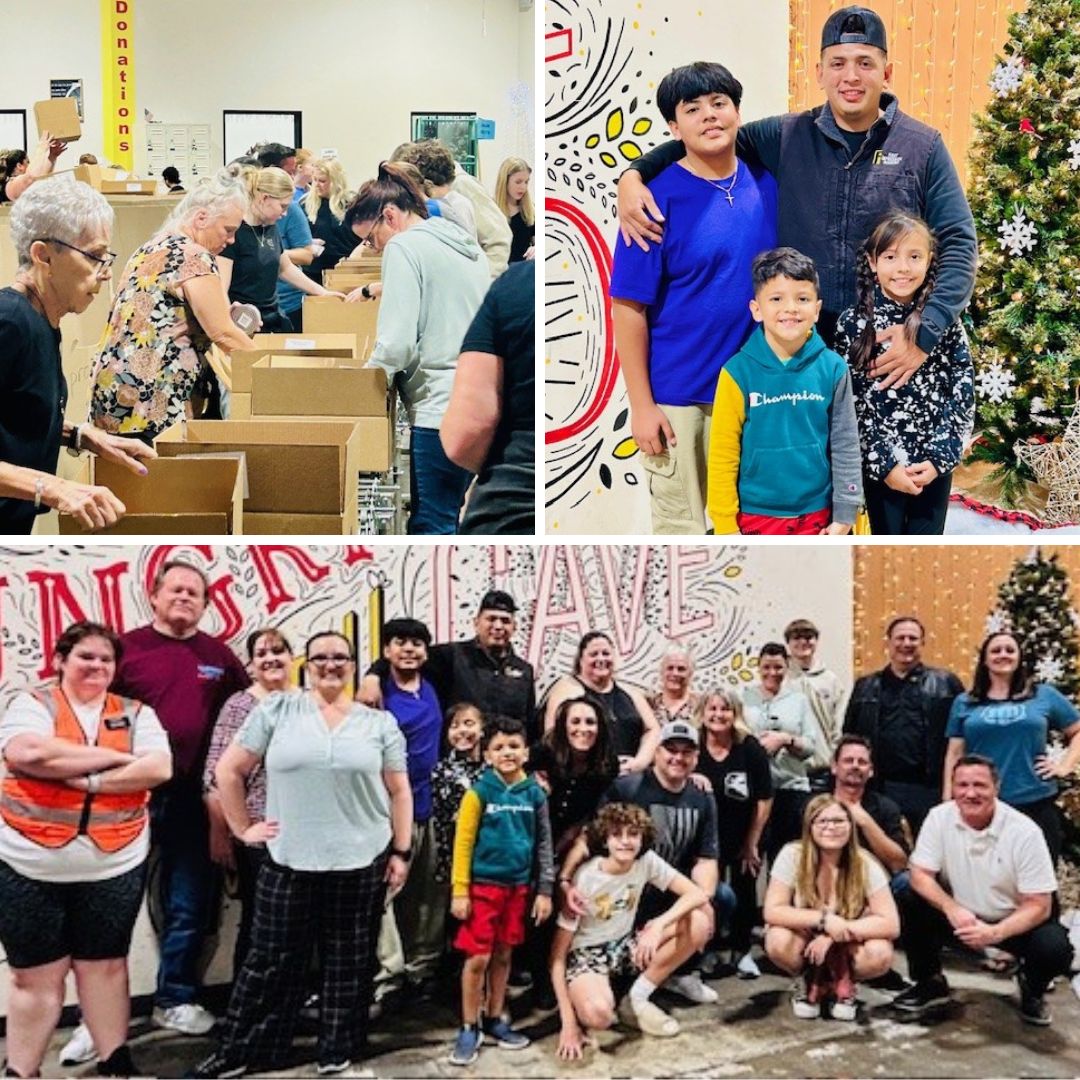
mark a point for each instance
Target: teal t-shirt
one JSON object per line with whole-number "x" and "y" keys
{"x": 325, "y": 788}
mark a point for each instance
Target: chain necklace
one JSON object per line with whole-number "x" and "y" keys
{"x": 260, "y": 232}
{"x": 730, "y": 187}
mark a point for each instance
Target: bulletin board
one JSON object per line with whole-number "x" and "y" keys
{"x": 13, "y": 129}
{"x": 243, "y": 128}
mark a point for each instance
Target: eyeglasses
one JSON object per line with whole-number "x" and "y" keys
{"x": 369, "y": 240}
{"x": 104, "y": 262}
{"x": 324, "y": 660}
{"x": 830, "y": 822}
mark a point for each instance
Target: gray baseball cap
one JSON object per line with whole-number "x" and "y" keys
{"x": 679, "y": 729}
{"x": 865, "y": 28}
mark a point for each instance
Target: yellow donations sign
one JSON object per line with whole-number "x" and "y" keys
{"x": 118, "y": 80}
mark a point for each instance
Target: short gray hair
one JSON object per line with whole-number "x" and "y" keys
{"x": 214, "y": 194}
{"x": 58, "y": 208}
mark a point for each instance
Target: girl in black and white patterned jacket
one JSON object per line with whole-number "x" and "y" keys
{"x": 912, "y": 436}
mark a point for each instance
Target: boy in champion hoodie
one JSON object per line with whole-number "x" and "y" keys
{"x": 784, "y": 449}
{"x": 434, "y": 278}
{"x": 503, "y": 843}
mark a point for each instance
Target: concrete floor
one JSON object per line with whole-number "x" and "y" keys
{"x": 751, "y": 1032}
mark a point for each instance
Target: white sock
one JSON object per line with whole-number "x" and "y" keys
{"x": 642, "y": 989}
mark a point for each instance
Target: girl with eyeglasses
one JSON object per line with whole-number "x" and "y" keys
{"x": 829, "y": 913}
{"x": 338, "y": 829}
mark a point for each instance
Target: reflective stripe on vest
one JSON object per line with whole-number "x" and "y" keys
{"x": 52, "y": 814}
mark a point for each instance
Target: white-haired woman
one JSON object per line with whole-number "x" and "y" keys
{"x": 674, "y": 700}
{"x": 325, "y": 204}
{"x": 169, "y": 308}
{"x": 61, "y": 232}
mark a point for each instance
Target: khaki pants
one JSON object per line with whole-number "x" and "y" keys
{"x": 676, "y": 478}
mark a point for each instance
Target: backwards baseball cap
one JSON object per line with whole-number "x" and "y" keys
{"x": 497, "y": 600}
{"x": 854, "y": 26}
{"x": 679, "y": 729}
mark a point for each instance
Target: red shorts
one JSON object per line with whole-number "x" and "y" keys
{"x": 803, "y": 525}
{"x": 497, "y": 918}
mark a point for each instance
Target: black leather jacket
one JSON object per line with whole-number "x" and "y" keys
{"x": 938, "y": 688}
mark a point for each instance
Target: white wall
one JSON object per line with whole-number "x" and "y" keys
{"x": 596, "y": 484}
{"x": 355, "y": 69}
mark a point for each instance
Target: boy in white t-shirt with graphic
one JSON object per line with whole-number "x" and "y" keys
{"x": 590, "y": 949}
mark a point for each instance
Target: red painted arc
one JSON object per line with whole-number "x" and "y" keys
{"x": 609, "y": 369}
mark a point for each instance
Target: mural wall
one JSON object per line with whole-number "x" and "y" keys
{"x": 603, "y": 62}
{"x": 722, "y": 601}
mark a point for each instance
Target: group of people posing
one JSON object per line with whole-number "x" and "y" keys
{"x": 614, "y": 837}
{"x": 787, "y": 305}
{"x": 254, "y": 240}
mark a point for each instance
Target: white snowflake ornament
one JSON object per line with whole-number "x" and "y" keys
{"x": 1074, "y": 155}
{"x": 1049, "y": 669}
{"x": 996, "y": 383}
{"x": 1017, "y": 234}
{"x": 996, "y": 622}
{"x": 1007, "y": 77}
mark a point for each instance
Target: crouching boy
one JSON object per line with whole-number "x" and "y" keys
{"x": 784, "y": 448}
{"x": 593, "y": 948}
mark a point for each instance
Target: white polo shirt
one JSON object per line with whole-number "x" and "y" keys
{"x": 985, "y": 870}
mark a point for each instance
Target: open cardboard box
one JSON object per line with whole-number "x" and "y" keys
{"x": 293, "y": 466}
{"x": 307, "y": 344}
{"x": 178, "y": 496}
{"x": 318, "y": 386}
{"x": 329, "y": 315}
{"x": 59, "y": 117}
{"x": 109, "y": 181}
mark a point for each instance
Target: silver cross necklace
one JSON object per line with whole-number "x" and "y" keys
{"x": 726, "y": 190}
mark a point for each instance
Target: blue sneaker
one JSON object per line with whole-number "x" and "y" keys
{"x": 498, "y": 1028}
{"x": 467, "y": 1046}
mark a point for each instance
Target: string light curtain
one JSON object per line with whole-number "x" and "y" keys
{"x": 942, "y": 52}
{"x": 950, "y": 589}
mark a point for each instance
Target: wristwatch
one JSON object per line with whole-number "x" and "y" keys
{"x": 365, "y": 292}
{"x": 404, "y": 856}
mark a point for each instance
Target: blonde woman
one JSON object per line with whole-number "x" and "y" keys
{"x": 169, "y": 309}
{"x": 325, "y": 204}
{"x": 829, "y": 912}
{"x": 512, "y": 195}
{"x": 738, "y": 768}
{"x": 255, "y": 260}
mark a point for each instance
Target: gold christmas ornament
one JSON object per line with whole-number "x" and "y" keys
{"x": 1056, "y": 466}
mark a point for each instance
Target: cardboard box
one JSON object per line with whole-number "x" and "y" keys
{"x": 108, "y": 181}
{"x": 295, "y": 525}
{"x": 59, "y": 117}
{"x": 307, "y": 344}
{"x": 179, "y": 496}
{"x": 317, "y": 386}
{"x": 293, "y": 467}
{"x": 329, "y": 315}
{"x": 239, "y": 406}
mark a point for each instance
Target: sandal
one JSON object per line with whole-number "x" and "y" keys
{"x": 648, "y": 1018}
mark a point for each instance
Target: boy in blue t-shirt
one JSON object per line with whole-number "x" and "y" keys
{"x": 784, "y": 455}
{"x": 681, "y": 307}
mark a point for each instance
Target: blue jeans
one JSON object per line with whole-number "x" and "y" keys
{"x": 186, "y": 882}
{"x": 438, "y": 485}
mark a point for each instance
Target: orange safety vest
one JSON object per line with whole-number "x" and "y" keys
{"x": 52, "y": 814}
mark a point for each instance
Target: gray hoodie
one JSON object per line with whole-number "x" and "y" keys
{"x": 434, "y": 278}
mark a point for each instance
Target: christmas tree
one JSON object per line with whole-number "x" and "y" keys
{"x": 1025, "y": 195}
{"x": 1034, "y": 604}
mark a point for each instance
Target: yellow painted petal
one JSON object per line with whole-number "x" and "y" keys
{"x": 629, "y": 150}
{"x": 732, "y": 571}
{"x": 608, "y": 160}
{"x": 614, "y": 124}
{"x": 626, "y": 449}
{"x": 592, "y": 142}
{"x": 641, "y": 126}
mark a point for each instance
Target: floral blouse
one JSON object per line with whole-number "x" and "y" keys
{"x": 929, "y": 418}
{"x": 154, "y": 348}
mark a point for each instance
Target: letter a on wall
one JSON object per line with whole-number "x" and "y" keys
{"x": 118, "y": 80}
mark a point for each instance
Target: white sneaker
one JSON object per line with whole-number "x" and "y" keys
{"x": 693, "y": 989}
{"x": 188, "y": 1019}
{"x": 746, "y": 967}
{"x": 79, "y": 1048}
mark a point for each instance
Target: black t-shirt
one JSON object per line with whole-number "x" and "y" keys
{"x": 574, "y": 798}
{"x": 902, "y": 739}
{"x": 522, "y": 238}
{"x": 739, "y": 783}
{"x": 504, "y": 500}
{"x": 854, "y": 140}
{"x": 33, "y": 395}
{"x": 256, "y": 256}
{"x": 340, "y": 241}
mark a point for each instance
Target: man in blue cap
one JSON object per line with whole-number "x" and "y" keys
{"x": 839, "y": 167}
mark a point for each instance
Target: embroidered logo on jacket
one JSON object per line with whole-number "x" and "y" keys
{"x": 886, "y": 157}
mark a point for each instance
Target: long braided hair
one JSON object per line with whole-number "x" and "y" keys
{"x": 889, "y": 231}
